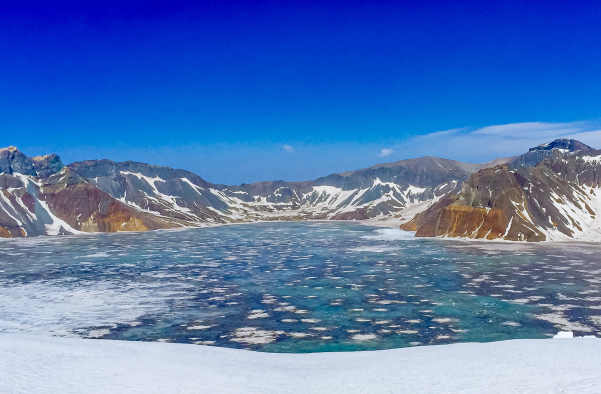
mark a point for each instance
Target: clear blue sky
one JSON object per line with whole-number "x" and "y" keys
{"x": 248, "y": 91}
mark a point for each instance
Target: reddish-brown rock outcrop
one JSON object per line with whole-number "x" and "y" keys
{"x": 87, "y": 208}
{"x": 496, "y": 203}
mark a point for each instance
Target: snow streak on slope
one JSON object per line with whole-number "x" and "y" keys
{"x": 188, "y": 201}
{"x": 571, "y": 210}
{"x": 586, "y": 226}
{"x": 381, "y": 191}
{"x": 557, "y": 200}
{"x": 23, "y": 213}
{"x": 381, "y": 199}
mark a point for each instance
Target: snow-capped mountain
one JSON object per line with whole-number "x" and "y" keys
{"x": 380, "y": 191}
{"x": 529, "y": 197}
{"x": 40, "y": 196}
{"x": 557, "y": 199}
{"x": 538, "y": 153}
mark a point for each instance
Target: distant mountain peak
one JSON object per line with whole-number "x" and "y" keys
{"x": 563, "y": 143}
{"x": 12, "y": 160}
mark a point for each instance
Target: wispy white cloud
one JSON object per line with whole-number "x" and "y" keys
{"x": 245, "y": 162}
{"x": 487, "y": 143}
{"x": 385, "y": 152}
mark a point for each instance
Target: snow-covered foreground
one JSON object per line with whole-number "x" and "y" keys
{"x": 37, "y": 364}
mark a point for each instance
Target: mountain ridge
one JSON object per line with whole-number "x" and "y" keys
{"x": 42, "y": 196}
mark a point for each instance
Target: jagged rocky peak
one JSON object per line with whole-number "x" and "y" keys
{"x": 559, "y": 147}
{"x": 47, "y": 165}
{"x": 563, "y": 143}
{"x": 13, "y": 160}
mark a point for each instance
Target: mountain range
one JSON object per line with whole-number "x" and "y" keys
{"x": 548, "y": 193}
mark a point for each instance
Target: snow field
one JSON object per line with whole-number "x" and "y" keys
{"x": 39, "y": 364}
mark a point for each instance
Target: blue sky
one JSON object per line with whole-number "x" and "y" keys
{"x": 249, "y": 91}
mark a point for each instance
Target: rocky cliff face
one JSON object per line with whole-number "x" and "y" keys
{"x": 159, "y": 191}
{"x": 556, "y": 199}
{"x": 40, "y": 196}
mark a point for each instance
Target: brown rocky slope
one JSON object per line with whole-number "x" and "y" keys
{"x": 40, "y": 196}
{"x": 527, "y": 204}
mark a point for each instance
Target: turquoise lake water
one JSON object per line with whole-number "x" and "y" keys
{"x": 297, "y": 287}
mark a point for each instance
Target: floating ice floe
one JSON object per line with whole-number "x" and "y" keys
{"x": 253, "y": 336}
{"x": 442, "y": 320}
{"x": 257, "y": 314}
{"x": 391, "y": 234}
{"x": 364, "y": 337}
{"x": 375, "y": 249}
{"x": 199, "y": 327}
{"x": 299, "y": 334}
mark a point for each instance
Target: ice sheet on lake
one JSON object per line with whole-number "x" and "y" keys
{"x": 332, "y": 280}
{"x": 60, "y": 309}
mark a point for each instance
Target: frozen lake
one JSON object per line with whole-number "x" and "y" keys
{"x": 297, "y": 287}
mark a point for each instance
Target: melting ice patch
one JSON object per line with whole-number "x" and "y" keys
{"x": 391, "y": 234}
{"x": 559, "y": 321}
{"x": 64, "y": 310}
{"x": 98, "y": 255}
{"x": 375, "y": 249}
{"x": 364, "y": 337}
{"x": 252, "y": 335}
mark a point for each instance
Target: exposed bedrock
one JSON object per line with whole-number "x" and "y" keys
{"x": 485, "y": 208}
{"x": 86, "y": 208}
{"x": 528, "y": 204}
